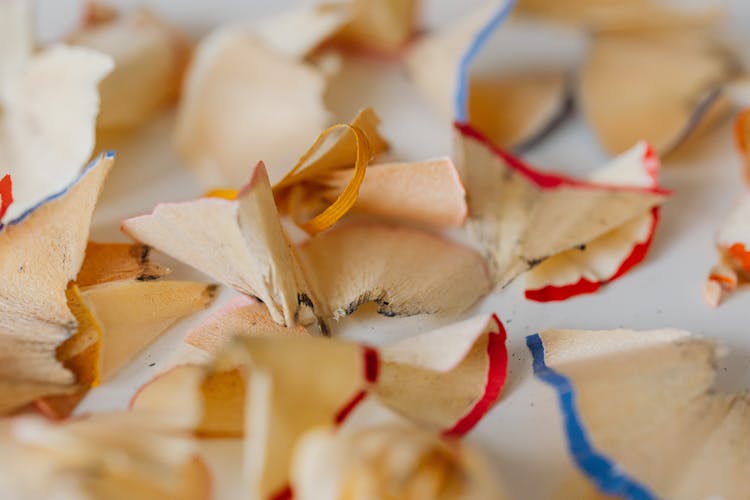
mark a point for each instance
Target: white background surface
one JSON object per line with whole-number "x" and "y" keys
{"x": 522, "y": 435}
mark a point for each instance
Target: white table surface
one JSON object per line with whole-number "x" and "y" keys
{"x": 522, "y": 434}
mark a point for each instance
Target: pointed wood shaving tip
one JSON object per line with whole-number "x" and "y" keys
{"x": 240, "y": 243}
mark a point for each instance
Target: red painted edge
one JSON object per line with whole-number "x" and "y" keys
{"x": 345, "y": 410}
{"x": 651, "y": 164}
{"x": 640, "y": 250}
{"x": 6, "y": 194}
{"x": 286, "y": 493}
{"x": 372, "y": 364}
{"x": 497, "y": 373}
{"x": 552, "y": 293}
{"x": 371, "y": 371}
{"x": 542, "y": 179}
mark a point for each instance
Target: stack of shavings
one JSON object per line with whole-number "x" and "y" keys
{"x": 304, "y": 220}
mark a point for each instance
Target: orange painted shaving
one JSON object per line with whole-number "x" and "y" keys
{"x": 226, "y": 194}
{"x": 740, "y": 255}
{"x": 721, "y": 278}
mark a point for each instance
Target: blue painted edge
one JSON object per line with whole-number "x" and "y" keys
{"x": 476, "y": 45}
{"x": 602, "y": 471}
{"x": 108, "y": 155}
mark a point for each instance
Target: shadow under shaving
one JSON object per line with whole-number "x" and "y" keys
{"x": 733, "y": 371}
